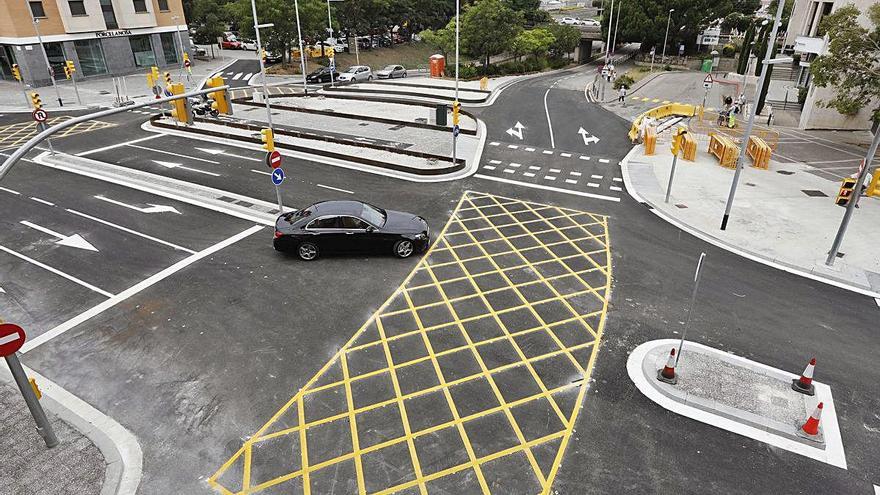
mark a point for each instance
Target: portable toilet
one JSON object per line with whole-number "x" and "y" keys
{"x": 438, "y": 65}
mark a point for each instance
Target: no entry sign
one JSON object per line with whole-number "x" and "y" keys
{"x": 40, "y": 115}
{"x": 273, "y": 159}
{"x": 11, "y": 339}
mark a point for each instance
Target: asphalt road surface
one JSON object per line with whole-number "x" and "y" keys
{"x": 196, "y": 362}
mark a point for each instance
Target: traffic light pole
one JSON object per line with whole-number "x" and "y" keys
{"x": 46, "y": 59}
{"x": 850, "y": 207}
{"x": 262, "y": 63}
{"x": 457, "y": 35}
{"x": 75, "y": 89}
{"x": 671, "y": 175}
{"x": 27, "y": 101}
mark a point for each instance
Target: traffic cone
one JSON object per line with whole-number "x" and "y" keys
{"x": 804, "y": 384}
{"x": 667, "y": 374}
{"x": 811, "y": 427}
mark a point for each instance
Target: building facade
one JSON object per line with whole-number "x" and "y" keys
{"x": 101, "y": 37}
{"x": 805, "y": 37}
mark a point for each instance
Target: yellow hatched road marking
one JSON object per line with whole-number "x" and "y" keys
{"x": 17, "y": 134}
{"x": 500, "y": 275}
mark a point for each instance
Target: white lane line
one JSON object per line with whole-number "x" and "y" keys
{"x": 133, "y": 290}
{"x": 509, "y": 170}
{"x": 262, "y": 172}
{"x": 170, "y": 165}
{"x": 603, "y": 160}
{"x": 549, "y": 124}
{"x": 576, "y": 174}
{"x": 532, "y": 167}
{"x": 595, "y": 176}
{"x": 549, "y": 177}
{"x": 10, "y": 191}
{"x": 494, "y": 143}
{"x": 56, "y": 271}
{"x": 515, "y": 165}
{"x": 38, "y": 200}
{"x": 173, "y": 154}
{"x": 130, "y": 231}
{"x": 495, "y": 162}
{"x": 530, "y": 149}
{"x": 571, "y": 181}
{"x": 582, "y": 157}
{"x": 117, "y": 145}
{"x": 555, "y": 170}
{"x": 528, "y": 174}
{"x": 617, "y": 179}
{"x": 592, "y": 184}
{"x": 565, "y": 155}
{"x": 335, "y": 189}
{"x": 488, "y": 167}
{"x": 615, "y": 188}
{"x": 547, "y": 152}
{"x": 548, "y": 188}
{"x": 513, "y": 146}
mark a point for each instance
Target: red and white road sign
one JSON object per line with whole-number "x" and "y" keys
{"x": 186, "y": 63}
{"x": 11, "y": 339}
{"x": 40, "y": 115}
{"x": 708, "y": 79}
{"x": 273, "y": 159}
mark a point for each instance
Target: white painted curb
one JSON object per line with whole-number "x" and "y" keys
{"x": 120, "y": 447}
{"x": 833, "y": 452}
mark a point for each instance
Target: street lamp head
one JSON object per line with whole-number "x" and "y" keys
{"x": 671, "y": 10}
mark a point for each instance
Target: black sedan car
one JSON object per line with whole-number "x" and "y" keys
{"x": 322, "y": 75}
{"x": 350, "y": 227}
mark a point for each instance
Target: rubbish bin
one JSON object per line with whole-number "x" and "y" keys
{"x": 441, "y": 114}
{"x": 438, "y": 65}
{"x": 707, "y": 65}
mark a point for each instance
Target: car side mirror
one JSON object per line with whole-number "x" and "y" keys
{"x": 371, "y": 229}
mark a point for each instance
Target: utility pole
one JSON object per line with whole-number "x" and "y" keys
{"x": 257, "y": 27}
{"x": 850, "y": 207}
{"x": 179, "y": 43}
{"x": 332, "y": 59}
{"x": 666, "y": 37}
{"x": 617, "y": 24}
{"x": 608, "y": 43}
{"x": 36, "y": 21}
{"x": 771, "y": 41}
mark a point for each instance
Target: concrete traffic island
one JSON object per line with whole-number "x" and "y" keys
{"x": 740, "y": 396}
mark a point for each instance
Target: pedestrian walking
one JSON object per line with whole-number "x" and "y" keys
{"x": 769, "y": 114}
{"x": 621, "y": 95}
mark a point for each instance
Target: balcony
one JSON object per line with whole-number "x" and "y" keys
{"x": 808, "y": 44}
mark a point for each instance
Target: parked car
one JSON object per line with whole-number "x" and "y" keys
{"x": 322, "y": 75}
{"x": 591, "y": 22}
{"x": 391, "y": 71}
{"x": 350, "y": 227}
{"x": 197, "y": 51}
{"x": 249, "y": 45}
{"x": 273, "y": 57}
{"x": 571, "y": 21}
{"x": 356, "y": 73}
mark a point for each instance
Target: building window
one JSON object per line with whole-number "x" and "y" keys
{"x": 143, "y": 50}
{"x": 91, "y": 57}
{"x": 163, "y": 5}
{"x": 168, "y": 48}
{"x": 140, "y": 5}
{"x": 37, "y": 8}
{"x": 77, "y": 7}
{"x": 109, "y": 14}
{"x": 55, "y": 54}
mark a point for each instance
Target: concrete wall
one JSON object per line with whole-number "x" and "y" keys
{"x": 118, "y": 55}
{"x": 815, "y": 116}
{"x": 93, "y": 21}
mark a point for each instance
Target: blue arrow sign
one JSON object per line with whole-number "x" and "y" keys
{"x": 277, "y": 176}
{"x": 456, "y": 130}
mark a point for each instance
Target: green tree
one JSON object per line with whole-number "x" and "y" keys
{"x": 283, "y": 35}
{"x": 852, "y": 64}
{"x": 208, "y": 20}
{"x": 742, "y": 64}
{"x": 566, "y": 39}
{"x": 442, "y": 39}
{"x": 530, "y": 10}
{"x": 488, "y": 27}
{"x": 535, "y": 42}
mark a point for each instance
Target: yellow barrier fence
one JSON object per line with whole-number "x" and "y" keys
{"x": 724, "y": 149}
{"x": 874, "y": 188}
{"x": 689, "y": 147}
{"x": 708, "y": 125}
{"x": 759, "y": 152}
{"x": 660, "y": 113}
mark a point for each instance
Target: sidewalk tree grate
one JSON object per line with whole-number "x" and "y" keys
{"x": 467, "y": 379}
{"x": 814, "y": 193}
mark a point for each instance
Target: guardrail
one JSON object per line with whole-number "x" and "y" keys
{"x": 661, "y": 112}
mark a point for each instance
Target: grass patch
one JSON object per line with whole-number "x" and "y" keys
{"x": 409, "y": 55}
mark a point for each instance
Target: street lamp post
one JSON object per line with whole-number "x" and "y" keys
{"x": 616, "y": 24}
{"x": 771, "y": 41}
{"x": 333, "y": 59}
{"x": 257, "y": 27}
{"x": 666, "y": 37}
{"x": 36, "y": 21}
{"x": 180, "y": 43}
{"x": 302, "y": 54}
{"x": 457, "y": 33}
{"x": 608, "y": 43}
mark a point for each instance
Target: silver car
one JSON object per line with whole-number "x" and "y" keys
{"x": 356, "y": 73}
{"x": 391, "y": 72}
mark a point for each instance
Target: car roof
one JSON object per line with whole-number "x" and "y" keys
{"x": 338, "y": 207}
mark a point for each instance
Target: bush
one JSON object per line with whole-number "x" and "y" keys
{"x": 728, "y": 50}
{"x": 624, "y": 80}
{"x": 802, "y": 95}
{"x": 667, "y": 67}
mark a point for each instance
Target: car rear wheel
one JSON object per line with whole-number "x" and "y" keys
{"x": 307, "y": 251}
{"x": 403, "y": 249}
{"x": 404, "y": 74}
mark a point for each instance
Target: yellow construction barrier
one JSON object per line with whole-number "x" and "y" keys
{"x": 650, "y": 140}
{"x": 689, "y": 146}
{"x": 660, "y": 113}
{"x": 759, "y": 152}
{"x": 874, "y": 188}
{"x": 724, "y": 149}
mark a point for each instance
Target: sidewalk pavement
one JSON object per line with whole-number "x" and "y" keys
{"x": 76, "y": 465}
{"x": 784, "y": 217}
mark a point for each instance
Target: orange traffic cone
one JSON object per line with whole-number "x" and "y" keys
{"x": 811, "y": 427}
{"x": 804, "y": 384}
{"x": 667, "y": 374}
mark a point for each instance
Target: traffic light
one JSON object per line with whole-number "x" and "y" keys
{"x": 69, "y": 68}
{"x": 155, "y": 72}
{"x": 846, "y": 192}
{"x": 677, "y": 140}
{"x": 220, "y": 97}
{"x": 263, "y": 56}
{"x": 36, "y": 101}
{"x": 456, "y": 107}
{"x": 16, "y": 72}
{"x": 167, "y": 79}
{"x": 186, "y": 62}
{"x": 180, "y": 108}
{"x": 268, "y": 138}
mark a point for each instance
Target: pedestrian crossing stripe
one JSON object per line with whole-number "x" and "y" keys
{"x": 655, "y": 100}
{"x": 634, "y": 98}
{"x": 666, "y": 102}
{"x": 645, "y": 99}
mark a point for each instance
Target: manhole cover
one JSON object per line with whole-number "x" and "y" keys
{"x": 103, "y": 92}
{"x": 750, "y": 184}
{"x": 784, "y": 172}
{"x": 681, "y": 206}
{"x": 814, "y": 193}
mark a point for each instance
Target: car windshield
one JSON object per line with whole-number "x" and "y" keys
{"x": 351, "y": 70}
{"x": 375, "y": 216}
{"x": 390, "y": 67}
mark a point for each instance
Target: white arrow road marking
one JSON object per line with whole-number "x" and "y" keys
{"x": 2, "y": 290}
{"x": 74, "y": 241}
{"x": 517, "y": 130}
{"x": 55, "y": 271}
{"x": 130, "y": 231}
{"x": 587, "y": 140}
{"x": 213, "y": 151}
{"x": 180, "y": 166}
{"x": 150, "y": 209}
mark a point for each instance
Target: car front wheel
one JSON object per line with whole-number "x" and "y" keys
{"x": 403, "y": 249}
{"x": 370, "y": 78}
{"x": 307, "y": 251}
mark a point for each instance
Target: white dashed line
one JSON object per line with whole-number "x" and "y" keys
{"x": 547, "y": 152}
{"x": 571, "y": 181}
{"x": 509, "y": 170}
{"x": 602, "y": 160}
{"x": 530, "y": 149}
{"x": 515, "y": 165}
{"x": 549, "y": 177}
{"x": 513, "y": 146}
{"x": 576, "y": 174}
{"x": 494, "y": 143}
{"x": 495, "y": 162}
{"x": 565, "y": 155}
{"x": 617, "y": 179}
{"x": 582, "y": 157}
{"x": 38, "y": 200}
{"x": 335, "y": 189}
{"x": 10, "y": 191}
{"x": 592, "y": 184}
{"x": 595, "y": 176}
{"x": 555, "y": 170}
{"x": 615, "y": 188}
{"x": 528, "y": 174}
{"x": 532, "y": 167}
{"x": 261, "y": 172}
{"x": 488, "y": 167}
